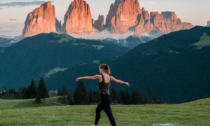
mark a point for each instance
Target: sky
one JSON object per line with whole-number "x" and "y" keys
{"x": 13, "y": 13}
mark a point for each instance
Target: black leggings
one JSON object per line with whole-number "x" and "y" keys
{"x": 105, "y": 105}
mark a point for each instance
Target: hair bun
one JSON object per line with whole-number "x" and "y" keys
{"x": 106, "y": 67}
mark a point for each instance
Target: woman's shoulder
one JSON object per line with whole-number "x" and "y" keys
{"x": 98, "y": 76}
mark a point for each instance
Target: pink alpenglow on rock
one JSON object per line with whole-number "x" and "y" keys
{"x": 99, "y": 23}
{"x": 123, "y": 15}
{"x": 208, "y": 22}
{"x": 78, "y": 18}
{"x": 41, "y": 20}
{"x": 126, "y": 15}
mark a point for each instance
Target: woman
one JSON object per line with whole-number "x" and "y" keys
{"x": 104, "y": 81}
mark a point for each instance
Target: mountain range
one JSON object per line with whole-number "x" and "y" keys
{"x": 123, "y": 16}
{"x": 128, "y": 39}
{"x": 45, "y": 54}
{"x": 175, "y": 66}
{"x": 125, "y": 19}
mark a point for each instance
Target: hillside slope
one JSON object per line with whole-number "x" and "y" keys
{"x": 175, "y": 66}
{"x": 46, "y": 54}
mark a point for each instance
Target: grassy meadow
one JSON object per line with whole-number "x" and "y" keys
{"x": 25, "y": 112}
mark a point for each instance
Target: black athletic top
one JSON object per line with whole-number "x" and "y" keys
{"x": 104, "y": 87}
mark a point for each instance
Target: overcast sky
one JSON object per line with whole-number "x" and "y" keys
{"x": 14, "y": 12}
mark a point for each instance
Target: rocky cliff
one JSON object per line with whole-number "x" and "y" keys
{"x": 99, "y": 23}
{"x": 41, "y": 20}
{"x": 208, "y": 22}
{"x": 126, "y": 15}
{"x": 123, "y": 15}
{"x": 78, "y": 18}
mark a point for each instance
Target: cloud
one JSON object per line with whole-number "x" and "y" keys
{"x": 21, "y": 4}
{"x": 0, "y": 28}
{"x": 12, "y": 20}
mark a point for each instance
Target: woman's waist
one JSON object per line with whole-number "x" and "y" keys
{"x": 105, "y": 98}
{"x": 104, "y": 95}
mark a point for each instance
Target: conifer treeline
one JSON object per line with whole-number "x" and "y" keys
{"x": 28, "y": 92}
{"x": 80, "y": 96}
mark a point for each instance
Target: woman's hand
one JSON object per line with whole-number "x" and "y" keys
{"x": 127, "y": 84}
{"x": 77, "y": 79}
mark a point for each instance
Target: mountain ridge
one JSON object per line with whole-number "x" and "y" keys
{"x": 38, "y": 56}
{"x": 170, "y": 65}
{"x": 124, "y": 15}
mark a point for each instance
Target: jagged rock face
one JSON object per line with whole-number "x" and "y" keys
{"x": 99, "y": 23}
{"x": 159, "y": 22}
{"x": 169, "y": 15}
{"x": 78, "y": 18}
{"x": 163, "y": 23}
{"x": 126, "y": 15}
{"x": 208, "y": 22}
{"x": 145, "y": 14}
{"x": 123, "y": 15}
{"x": 41, "y": 20}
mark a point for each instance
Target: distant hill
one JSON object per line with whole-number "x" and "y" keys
{"x": 6, "y": 41}
{"x": 175, "y": 66}
{"x": 128, "y": 39}
{"x": 46, "y": 54}
{"x": 131, "y": 41}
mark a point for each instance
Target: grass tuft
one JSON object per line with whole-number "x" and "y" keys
{"x": 204, "y": 41}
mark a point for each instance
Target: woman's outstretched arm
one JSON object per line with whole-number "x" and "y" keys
{"x": 88, "y": 78}
{"x": 119, "y": 81}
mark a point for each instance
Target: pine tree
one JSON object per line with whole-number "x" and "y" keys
{"x": 80, "y": 94}
{"x": 155, "y": 99}
{"x": 12, "y": 91}
{"x": 59, "y": 92}
{"x": 114, "y": 95}
{"x": 90, "y": 97}
{"x": 122, "y": 97}
{"x": 136, "y": 97}
{"x": 96, "y": 97}
{"x": 127, "y": 97}
{"x": 32, "y": 90}
{"x": 26, "y": 93}
{"x": 149, "y": 96}
{"x": 70, "y": 98}
{"x": 38, "y": 98}
{"x": 64, "y": 91}
{"x": 145, "y": 100}
{"x": 42, "y": 89}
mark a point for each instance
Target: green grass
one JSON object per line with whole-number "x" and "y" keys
{"x": 24, "y": 112}
{"x": 98, "y": 47}
{"x": 64, "y": 38}
{"x": 54, "y": 99}
{"x": 54, "y": 71}
{"x": 204, "y": 41}
{"x": 173, "y": 52}
{"x": 97, "y": 61}
{"x": 21, "y": 104}
{"x": 80, "y": 44}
